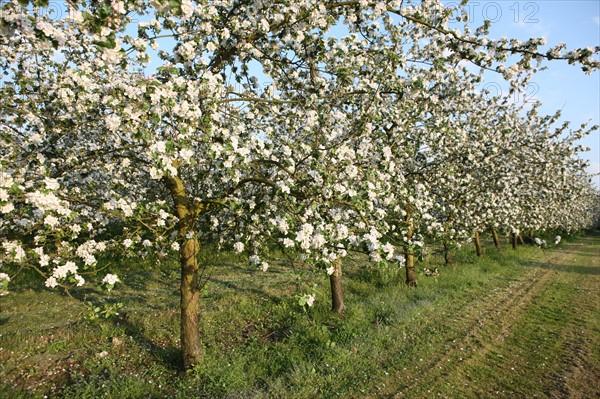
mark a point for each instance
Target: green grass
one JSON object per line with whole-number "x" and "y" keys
{"x": 441, "y": 339}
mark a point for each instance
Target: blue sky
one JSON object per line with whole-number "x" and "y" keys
{"x": 561, "y": 86}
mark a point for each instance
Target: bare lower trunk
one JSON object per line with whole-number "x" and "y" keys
{"x": 191, "y": 346}
{"x": 520, "y": 239}
{"x": 411, "y": 274}
{"x": 448, "y": 254}
{"x": 513, "y": 240}
{"x": 477, "y": 241}
{"x": 496, "y": 239}
{"x": 409, "y": 257}
{"x": 337, "y": 298}
{"x": 190, "y": 305}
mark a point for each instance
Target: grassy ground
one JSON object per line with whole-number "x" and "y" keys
{"x": 522, "y": 325}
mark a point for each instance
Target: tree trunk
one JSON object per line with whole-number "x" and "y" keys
{"x": 477, "y": 241}
{"x": 513, "y": 240}
{"x": 496, "y": 240}
{"x": 448, "y": 254}
{"x": 337, "y": 298}
{"x": 190, "y": 304}
{"x": 191, "y": 347}
{"x": 520, "y": 239}
{"x": 409, "y": 258}
{"x": 411, "y": 274}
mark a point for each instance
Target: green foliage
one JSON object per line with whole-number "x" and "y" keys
{"x": 104, "y": 311}
{"x": 35, "y": 3}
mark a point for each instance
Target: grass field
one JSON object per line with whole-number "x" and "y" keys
{"x": 522, "y": 325}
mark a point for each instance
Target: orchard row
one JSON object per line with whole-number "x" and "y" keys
{"x": 318, "y": 127}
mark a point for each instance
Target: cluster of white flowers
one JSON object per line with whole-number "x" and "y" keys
{"x": 304, "y": 235}
{"x": 61, "y": 273}
{"x": 47, "y": 202}
{"x": 238, "y": 247}
{"x": 110, "y": 279}
{"x": 86, "y": 251}
{"x": 14, "y": 250}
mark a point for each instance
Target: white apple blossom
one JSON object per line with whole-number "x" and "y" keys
{"x": 238, "y": 247}
{"x": 51, "y": 282}
{"x": 80, "y": 280}
{"x": 110, "y": 279}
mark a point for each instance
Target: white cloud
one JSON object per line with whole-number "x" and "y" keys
{"x": 536, "y": 29}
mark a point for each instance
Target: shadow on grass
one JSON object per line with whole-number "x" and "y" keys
{"x": 578, "y": 254}
{"x": 586, "y": 270}
{"x": 169, "y": 356}
{"x": 256, "y": 291}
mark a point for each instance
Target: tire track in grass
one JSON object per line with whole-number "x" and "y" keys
{"x": 580, "y": 377}
{"x": 469, "y": 326}
{"x": 557, "y": 292}
{"x": 576, "y": 381}
{"x": 451, "y": 322}
{"x": 489, "y": 313}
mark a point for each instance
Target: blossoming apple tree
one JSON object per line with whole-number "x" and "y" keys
{"x": 99, "y": 154}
